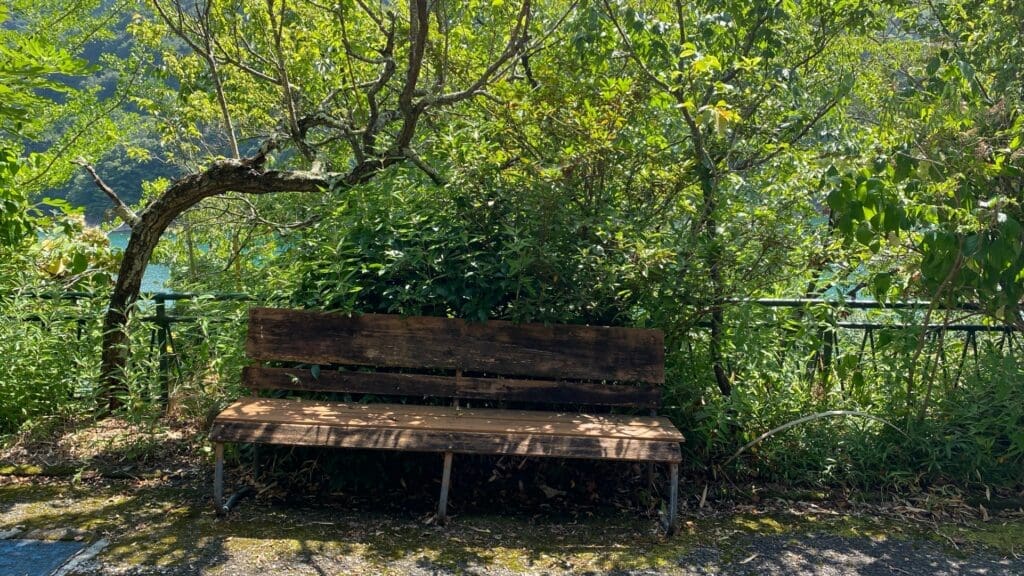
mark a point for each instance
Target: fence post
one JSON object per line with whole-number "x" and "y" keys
{"x": 163, "y": 337}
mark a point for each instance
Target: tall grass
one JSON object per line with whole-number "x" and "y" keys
{"x": 51, "y": 347}
{"x": 961, "y": 419}
{"x": 48, "y": 357}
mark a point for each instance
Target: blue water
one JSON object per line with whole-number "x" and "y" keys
{"x": 156, "y": 276}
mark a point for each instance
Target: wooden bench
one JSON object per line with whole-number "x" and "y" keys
{"x": 563, "y": 367}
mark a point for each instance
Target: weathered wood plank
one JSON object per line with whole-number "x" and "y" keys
{"x": 501, "y": 389}
{"x": 495, "y": 347}
{"x": 384, "y": 383}
{"x": 357, "y": 409}
{"x": 448, "y": 418}
{"x": 442, "y": 441}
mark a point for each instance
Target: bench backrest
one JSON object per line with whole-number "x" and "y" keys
{"x": 495, "y": 360}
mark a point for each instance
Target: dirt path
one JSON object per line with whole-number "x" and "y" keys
{"x": 832, "y": 555}
{"x": 165, "y": 526}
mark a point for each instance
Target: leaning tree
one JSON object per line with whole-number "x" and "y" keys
{"x": 328, "y": 96}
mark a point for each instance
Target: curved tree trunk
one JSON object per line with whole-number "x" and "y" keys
{"x": 114, "y": 359}
{"x": 231, "y": 175}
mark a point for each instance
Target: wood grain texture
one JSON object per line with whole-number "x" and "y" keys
{"x": 443, "y": 441}
{"x": 494, "y": 347}
{"x": 476, "y": 388}
{"x": 451, "y": 419}
{"x": 495, "y": 361}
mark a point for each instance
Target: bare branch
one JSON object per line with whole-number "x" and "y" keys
{"x": 377, "y": 19}
{"x": 758, "y": 161}
{"x": 424, "y": 166}
{"x": 123, "y": 211}
{"x": 351, "y": 51}
{"x": 516, "y": 42}
{"x": 237, "y": 62}
{"x": 370, "y": 135}
{"x": 179, "y": 28}
{"x": 419, "y": 30}
{"x": 657, "y": 81}
{"x": 254, "y": 216}
{"x": 287, "y": 95}
{"x": 244, "y": 42}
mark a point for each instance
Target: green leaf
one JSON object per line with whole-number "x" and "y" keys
{"x": 880, "y": 284}
{"x": 705, "y": 64}
{"x": 905, "y": 166}
{"x": 864, "y": 234}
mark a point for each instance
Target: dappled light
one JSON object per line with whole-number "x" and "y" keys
{"x": 513, "y": 286}
{"x": 173, "y": 527}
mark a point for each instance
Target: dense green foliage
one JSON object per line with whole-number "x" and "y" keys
{"x": 642, "y": 163}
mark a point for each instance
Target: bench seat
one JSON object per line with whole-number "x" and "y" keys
{"x": 449, "y": 429}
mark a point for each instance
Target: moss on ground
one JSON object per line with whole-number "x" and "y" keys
{"x": 152, "y": 523}
{"x": 1005, "y": 537}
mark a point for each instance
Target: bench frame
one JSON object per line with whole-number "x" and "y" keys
{"x": 492, "y": 362}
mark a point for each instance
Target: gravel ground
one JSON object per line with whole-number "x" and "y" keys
{"x": 167, "y": 528}
{"x": 791, "y": 555}
{"x": 828, "y": 555}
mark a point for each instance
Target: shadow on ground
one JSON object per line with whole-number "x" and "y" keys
{"x": 825, "y": 554}
{"x": 166, "y": 527}
{"x": 171, "y": 530}
{"x": 511, "y": 517}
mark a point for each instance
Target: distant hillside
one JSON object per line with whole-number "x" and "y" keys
{"x": 124, "y": 175}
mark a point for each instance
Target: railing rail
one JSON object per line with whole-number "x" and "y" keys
{"x": 163, "y": 321}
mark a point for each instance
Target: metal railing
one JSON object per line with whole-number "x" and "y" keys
{"x": 155, "y": 308}
{"x": 932, "y": 334}
{"x": 162, "y": 335}
{"x": 163, "y": 322}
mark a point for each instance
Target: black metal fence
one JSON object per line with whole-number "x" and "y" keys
{"x": 855, "y": 323}
{"x": 840, "y": 317}
{"x": 162, "y": 334}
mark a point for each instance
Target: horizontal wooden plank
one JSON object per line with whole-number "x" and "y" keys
{"x": 501, "y": 389}
{"x": 448, "y": 418}
{"x": 253, "y": 405}
{"x": 494, "y": 347}
{"x": 386, "y": 383}
{"x": 440, "y": 441}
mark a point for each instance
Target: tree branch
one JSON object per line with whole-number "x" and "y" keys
{"x": 758, "y": 161}
{"x": 387, "y": 53}
{"x": 424, "y": 166}
{"x": 516, "y": 42}
{"x": 205, "y": 49}
{"x": 287, "y": 95}
{"x": 419, "y": 30}
{"x": 127, "y": 214}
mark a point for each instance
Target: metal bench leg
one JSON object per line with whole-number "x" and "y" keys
{"x": 673, "y": 496}
{"x": 218, "y": 478}
{"x": 446, "y": 476}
